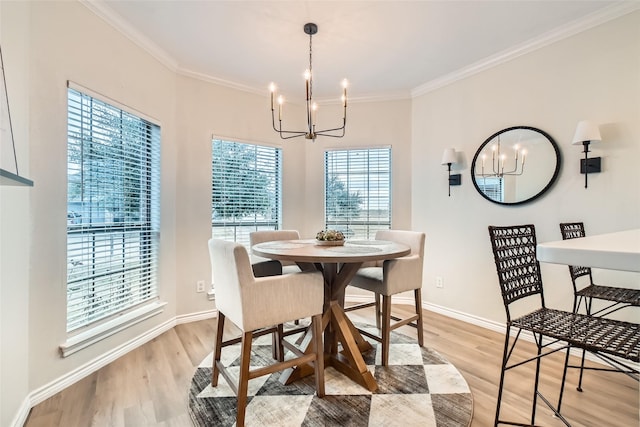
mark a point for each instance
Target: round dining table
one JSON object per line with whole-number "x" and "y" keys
{"x": 343, "y": 344}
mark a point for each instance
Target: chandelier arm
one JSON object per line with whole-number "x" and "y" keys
{"x": 342, "y": 128}
{"x": 329, "y": 135}
{"x": 297, "y": 134}
{"x": 280, "y": 131}
{"x": 324, "y": 131}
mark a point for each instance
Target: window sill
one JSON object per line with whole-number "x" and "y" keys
{"x": 104, "y": 330}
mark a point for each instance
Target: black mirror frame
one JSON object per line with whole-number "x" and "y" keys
{"x": 541, "y": 192}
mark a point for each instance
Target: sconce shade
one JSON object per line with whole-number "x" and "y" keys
{"x": 449, "y": 156}
{"x": 586, "y": 131}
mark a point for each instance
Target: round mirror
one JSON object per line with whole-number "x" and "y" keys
{"x": 515, "y": 165}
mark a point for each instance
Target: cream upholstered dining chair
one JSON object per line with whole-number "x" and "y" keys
{"x": 265, "y": 267}
{"x": 256, "y": 306}
{"x": 262, "y": 236}
{"x": 392, "y": 277}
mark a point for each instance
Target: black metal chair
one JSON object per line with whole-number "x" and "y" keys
{"x": 514, "y": 250}
{"x": 617, "y": 298}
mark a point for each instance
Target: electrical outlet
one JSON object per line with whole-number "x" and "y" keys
{"x": 200, "y": 286}
{"x": 439, "y": 282}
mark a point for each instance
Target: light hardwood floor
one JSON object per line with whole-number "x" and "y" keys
{"x": 149, "y": 385}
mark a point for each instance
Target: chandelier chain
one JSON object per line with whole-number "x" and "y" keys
{"x": 310, "y": 69}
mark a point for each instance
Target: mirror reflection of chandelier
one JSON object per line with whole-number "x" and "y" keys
{"x": 500, "y": 162}
{"x": 311, "y": 107}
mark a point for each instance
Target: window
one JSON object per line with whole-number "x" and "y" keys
{"x": 358, "y": 191}
{"x": 246, "y": 197}
{"x": 492, "y": 187}
{"x": 112, "y": 210}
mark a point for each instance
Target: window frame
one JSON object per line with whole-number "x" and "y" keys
{"x": 359, "y": 228}
{"x": 268, "y": 163}
{"x": 104, "y": 138}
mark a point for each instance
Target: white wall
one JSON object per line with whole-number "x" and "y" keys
{"x": 593, "y": 75}
{"x": 15, "y": 229}
{"x": 68, "y": 42}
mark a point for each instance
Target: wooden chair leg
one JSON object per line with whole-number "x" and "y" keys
{"x": 276, "y": 343}
{"x": 215, "y": 371}
{"x": 386, "y": 328}
{"x": 378, "y": 312}
{"x": 316, "y": 323}
{"x": 243, "y": 382}
{"x": 418, "y": 295}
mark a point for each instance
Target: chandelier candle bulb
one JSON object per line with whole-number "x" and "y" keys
{"x": 345, "y": 83}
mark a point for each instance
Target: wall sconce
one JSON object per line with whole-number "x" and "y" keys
{"x": 449, "y": 157}
{"x": 586, "y": 133}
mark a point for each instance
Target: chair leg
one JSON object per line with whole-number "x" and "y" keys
{"x": 576, "y": 306}
{"x": 276, "y": 343}
{"x": 579, "y": 388}
{"x": 215, "y": 371}
{"x": 587, "y": 304}
{"x": 418, "y": 295}
{"x": 386, "y": 328}
{"x": 378, "y": 312}
{"x": 502, "y": 372}
{"x": 564, "y": 378}
{"x": 316, "y": 323}
{"x": 537, "y": 380}
{"x": 243, "y": 382}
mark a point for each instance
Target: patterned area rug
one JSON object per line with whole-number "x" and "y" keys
{"x": 418, "y": 388}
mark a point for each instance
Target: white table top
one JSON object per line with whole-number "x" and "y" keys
{"x": 612, "y": 251}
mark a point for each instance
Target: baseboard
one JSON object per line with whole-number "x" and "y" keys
{"x": 22, "y": 414}
{"x": 193, "y": 317}
{"x": 48, "y": 390}
{"x": 474, "y": 320}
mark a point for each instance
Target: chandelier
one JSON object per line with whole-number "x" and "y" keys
{"x": 499, "y": 162}
{"x": 311, "y": 107}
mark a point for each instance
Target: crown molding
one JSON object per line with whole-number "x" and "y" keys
{"x": 222, "y": 82}
{"x": 590, "y": 21}
{"x": 102, "y": 10}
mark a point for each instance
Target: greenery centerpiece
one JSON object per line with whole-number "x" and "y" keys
{"x": 330, "y": 238}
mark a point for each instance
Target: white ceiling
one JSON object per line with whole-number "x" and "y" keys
{"x": 386, "y": 49}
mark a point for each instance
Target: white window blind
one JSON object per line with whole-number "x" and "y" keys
{"x": 112, "y": 210}
{"x": 246, "y": 181}
{"x": 492, "y": 187}
{"x": 358, "y": 191}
